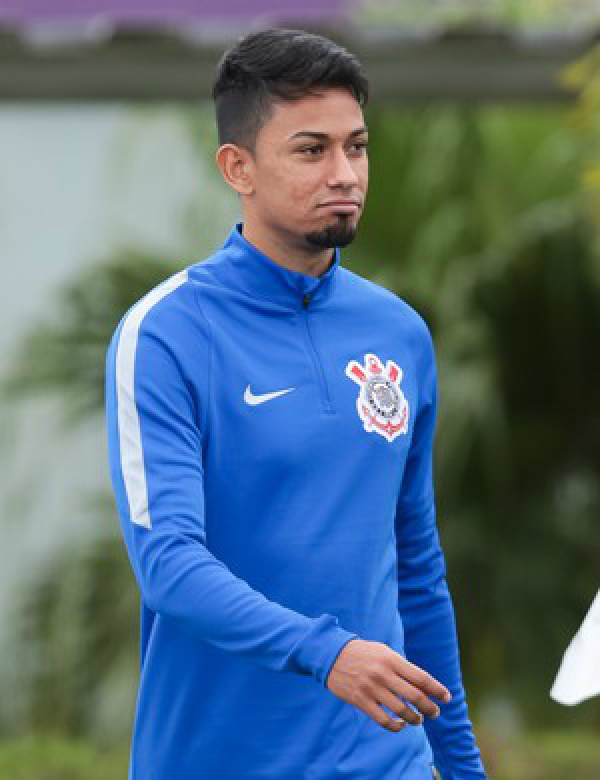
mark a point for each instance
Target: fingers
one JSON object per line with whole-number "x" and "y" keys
{"x": 400, "y": 700}
{"x": 379, "y": 715}
{"x": 400, "y": 707}
{"x": 420, "y": 679}
{"x": 371, "y": 676}
{"x": 416, "y": 697}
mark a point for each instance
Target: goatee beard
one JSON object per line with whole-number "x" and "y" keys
{"x": 340, "y": 234}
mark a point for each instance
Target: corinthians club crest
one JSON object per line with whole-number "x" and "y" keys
{"x": 381, "y": 404}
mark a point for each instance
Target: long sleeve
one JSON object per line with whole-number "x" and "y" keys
{"x": 423, "y": 598}
{"x": 155, "y": 439}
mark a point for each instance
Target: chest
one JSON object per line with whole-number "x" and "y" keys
{"x": 312, "y": 387}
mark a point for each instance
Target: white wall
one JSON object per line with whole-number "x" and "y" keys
{"x": 76, "y": 184}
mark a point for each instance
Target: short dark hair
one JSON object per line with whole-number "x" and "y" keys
{"x": 277, "y": 64}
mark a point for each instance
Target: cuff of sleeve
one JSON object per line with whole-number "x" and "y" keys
{"x": 319, "y": 650}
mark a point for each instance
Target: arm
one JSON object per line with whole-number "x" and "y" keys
{"x": 424, "y": 601}
{"x": 155, "y": 453}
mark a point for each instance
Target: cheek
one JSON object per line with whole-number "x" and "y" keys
{"x": 363, "y": 173}
{"x": 295, "y": 186}
{"x": 289, "y": 186}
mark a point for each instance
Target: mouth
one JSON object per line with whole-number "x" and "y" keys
{"x": 341, "y": 206}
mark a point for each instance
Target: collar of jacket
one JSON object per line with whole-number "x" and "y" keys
{"x": 258, "y": 275}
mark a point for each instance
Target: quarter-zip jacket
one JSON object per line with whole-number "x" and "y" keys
{"x": 270, "y": 442}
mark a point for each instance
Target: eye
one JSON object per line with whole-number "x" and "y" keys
{"x": 359, "y": 146}
{"x": 312, "y": 151}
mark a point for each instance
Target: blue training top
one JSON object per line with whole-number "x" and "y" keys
{"x": 270, "y": 441}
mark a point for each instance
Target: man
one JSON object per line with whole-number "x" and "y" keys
{"x": 270, "y": 423}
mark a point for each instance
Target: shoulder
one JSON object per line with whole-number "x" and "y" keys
{"x": 164, "y": 324}
{"x": 386, "y": 304}
{"x": 163, "y": 341}
{"x": 168, "y": 309}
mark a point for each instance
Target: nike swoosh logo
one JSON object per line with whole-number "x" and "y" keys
{"x": 254, "y": 400}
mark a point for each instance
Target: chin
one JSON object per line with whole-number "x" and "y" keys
{"x": 339, "y": 234}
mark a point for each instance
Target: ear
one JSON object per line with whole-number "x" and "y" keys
{"x": 236, "y": 166}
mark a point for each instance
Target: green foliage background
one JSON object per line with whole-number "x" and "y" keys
{"x": 513, "y": 13}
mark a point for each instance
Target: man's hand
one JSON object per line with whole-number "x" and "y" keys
{"x": 369, "y": 674}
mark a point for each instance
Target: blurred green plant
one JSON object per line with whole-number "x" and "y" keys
{"x": 547, "y": 756}
{"x": 66, "y": 354}
{"x": 78, "y": 629}
{"x": 55, "y": 757}
{"x": 509, "y": 12}
{"x": 550, "y": 755}
{"x": 474, "y": 217}
{"x": 583, "y": 76}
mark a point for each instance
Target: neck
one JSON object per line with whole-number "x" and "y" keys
{"x": 294, "y": 258}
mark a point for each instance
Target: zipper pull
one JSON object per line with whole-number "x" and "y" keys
{"x": 305, "y": 300}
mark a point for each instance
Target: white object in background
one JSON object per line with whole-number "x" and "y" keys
{"x": 579, "y": 675}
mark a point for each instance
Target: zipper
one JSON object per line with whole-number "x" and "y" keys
{"x": 315, "y": 357}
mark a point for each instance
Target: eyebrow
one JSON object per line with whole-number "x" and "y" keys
{"x": 323, "y": 136}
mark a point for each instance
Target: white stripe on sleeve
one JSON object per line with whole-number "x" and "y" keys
{"x": 130, "y": 439}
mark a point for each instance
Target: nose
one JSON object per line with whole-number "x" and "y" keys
{"x": 342, "y": 174}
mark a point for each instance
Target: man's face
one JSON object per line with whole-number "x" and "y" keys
{"x": 310, "y": 170}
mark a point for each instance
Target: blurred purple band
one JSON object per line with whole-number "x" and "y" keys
{"x": 176, "y": 11}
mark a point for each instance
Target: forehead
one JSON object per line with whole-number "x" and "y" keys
{"x": 335, "y": 112}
